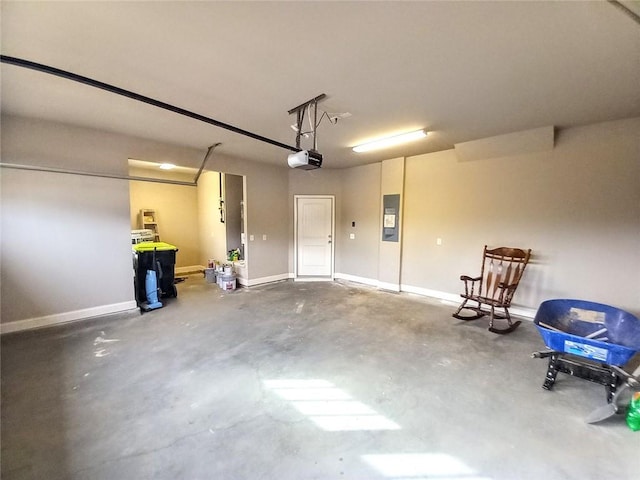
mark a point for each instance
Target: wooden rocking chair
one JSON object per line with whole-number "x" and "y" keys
{"x": 502, "y": 269}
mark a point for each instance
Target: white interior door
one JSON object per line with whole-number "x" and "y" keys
{"x": 314, "y": 236}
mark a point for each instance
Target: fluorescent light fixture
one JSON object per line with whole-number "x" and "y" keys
{"x": 167, "y": 166}
{"x": 390, "y": 141}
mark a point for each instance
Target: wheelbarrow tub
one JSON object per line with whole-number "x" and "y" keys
{"x": 575, "y": 320}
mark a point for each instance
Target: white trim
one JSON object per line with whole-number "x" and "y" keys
{"x": 448, "y": 298}
{"x": 369, "y": 281}
{"x": 189, "y": 269}
{"x": 259, "y": 281}
{"x": 354, "y": 278}
{"x": 313, "y": 279}
{"x": 426, "y": 292}
{"x": 524, "y": 312}
{"x": 58, "y": 318}
{"x": 393, "y": 287}
{"x": 454, "y": 299}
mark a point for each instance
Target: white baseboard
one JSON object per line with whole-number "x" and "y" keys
{"x": 353, "y": 278}
{"x": 524, "y": 312}
{"x": 455, "y": 300}
{"x": 393, "y": 287}
{"x": 259, "y": 281}
{"x": 449, "y": 298}
{"x": 58, "y": 318}
{"x": 313, "y": 279}
{"x": 426, "y": 292}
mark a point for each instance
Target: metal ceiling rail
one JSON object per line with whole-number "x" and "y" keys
{"x": 626, "y": 10}
{"x": 36, "y": 168}
{"x": 140, "y": 98}
{"x": 134, "y": 178}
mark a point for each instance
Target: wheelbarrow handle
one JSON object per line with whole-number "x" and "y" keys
{"x": 543, "y": 354}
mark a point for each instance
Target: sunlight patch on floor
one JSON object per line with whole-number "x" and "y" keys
{"x": 419, "y": 466}
{"x": 329, "y": 407}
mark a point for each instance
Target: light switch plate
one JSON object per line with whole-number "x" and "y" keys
{"x": 352, "y": 236}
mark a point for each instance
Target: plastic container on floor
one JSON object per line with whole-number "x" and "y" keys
{"x": 210, "y": 275}
{"x": 227, "y": 282}
{"x": 165, "y": 261}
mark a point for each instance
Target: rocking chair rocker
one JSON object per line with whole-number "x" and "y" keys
{"x": 502, "y": 269}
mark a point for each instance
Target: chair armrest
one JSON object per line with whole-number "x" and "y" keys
{"x": 469, "y": 284}
{"x": 466, "y": 278}
{"x": 504, "y": 286}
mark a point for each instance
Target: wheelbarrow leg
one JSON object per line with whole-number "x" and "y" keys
{"x": 612, "y": 386}
{"x": 552, "y": 372}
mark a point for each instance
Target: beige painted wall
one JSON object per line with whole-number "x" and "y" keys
{"x": 101, "y": 206}
{"x": 577, "y": 207}
{"x": 390, "y": 253}
{"x": 361, "y": 204}
{"x": 66, "y": 244}
{"x": 176, "y": 208}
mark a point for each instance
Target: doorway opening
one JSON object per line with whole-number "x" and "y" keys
{"x": 204, "y": 222}
{"x": 314, "y": 247}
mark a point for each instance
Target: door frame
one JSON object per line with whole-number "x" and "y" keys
{"x": 331, "y": 277}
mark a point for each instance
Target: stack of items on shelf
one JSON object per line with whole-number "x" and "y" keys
{"x": 142, "y": 235}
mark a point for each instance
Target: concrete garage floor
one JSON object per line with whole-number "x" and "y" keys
{"x": 297, "y": 381}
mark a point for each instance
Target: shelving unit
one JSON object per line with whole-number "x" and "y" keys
{"x": 147, "y": 220}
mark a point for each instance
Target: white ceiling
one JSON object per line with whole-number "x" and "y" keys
{"x": 462, "y": 70}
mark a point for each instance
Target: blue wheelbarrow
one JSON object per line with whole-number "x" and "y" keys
{"x": 591, "y": 341}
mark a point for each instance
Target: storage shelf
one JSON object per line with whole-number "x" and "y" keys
{"x": 147, "y": 220}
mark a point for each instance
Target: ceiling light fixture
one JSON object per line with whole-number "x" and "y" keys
{"x": 390, "y": 141}
{"x": 167, "y": 166}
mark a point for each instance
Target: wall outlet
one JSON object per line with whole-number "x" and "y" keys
{"x": 352, "y": 236}
{"x": 264, "y": 237}
{"x": 251, "y": 238}
{"x": 438, "y": 241}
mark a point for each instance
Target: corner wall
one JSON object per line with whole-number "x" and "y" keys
{"x": 361, "y": 200}
{"x": 577, "y": 207}
{"x": 66, "y": 248}
{"x": 49, "y": 270}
